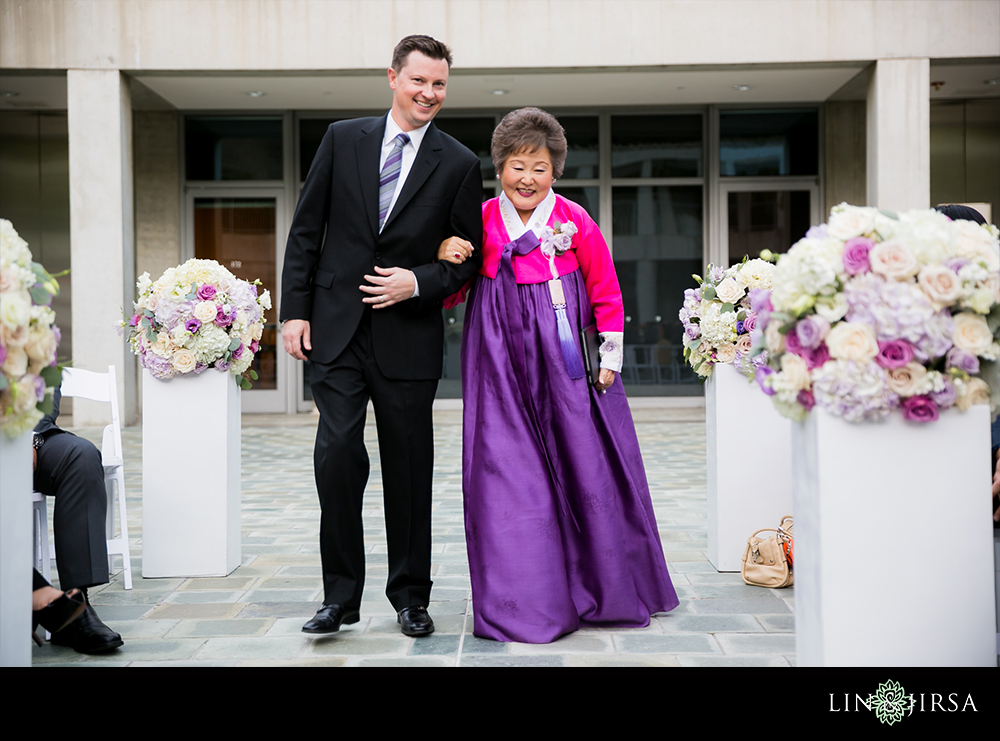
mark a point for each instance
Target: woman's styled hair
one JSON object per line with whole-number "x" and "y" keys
{"x": 955, "y": 211}
{"x": 529, "y": 130}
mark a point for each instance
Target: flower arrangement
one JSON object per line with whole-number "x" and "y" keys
{"x": 875, "y": 311}
{"x": 720, "y": 314}
{"x": 557, "y": 240}
{"x": 194, "y": 317}
{"x": 28, "y": 336}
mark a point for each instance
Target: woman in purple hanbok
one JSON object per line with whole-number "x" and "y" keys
{"x": 558, "y": 518}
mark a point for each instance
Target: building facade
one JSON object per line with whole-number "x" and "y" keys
{"x": 135, "y": 134}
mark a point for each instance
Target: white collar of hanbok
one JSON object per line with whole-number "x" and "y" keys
{"x": 539, "y": 217}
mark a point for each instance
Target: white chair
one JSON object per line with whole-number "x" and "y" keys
{"x": 101, "y": 387}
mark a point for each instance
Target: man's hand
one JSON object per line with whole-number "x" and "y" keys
{"x": 295, "y": 336}
{"x": 389, "y": 287}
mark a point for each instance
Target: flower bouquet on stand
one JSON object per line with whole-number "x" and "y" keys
{"x": 28, "y": 336}
{"x": 28, "y": 374}
{"x": 749, "y": 476}
{"x": 196, "y": 317}
{"x": 719, "y": 316}
{"x": 881, "y": 339}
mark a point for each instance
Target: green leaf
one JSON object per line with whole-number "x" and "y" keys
{"x": 727, "y": 307}
{"x": 40, "y": 296}
{"x": 234, "y": 344}
{"x": 52, "y": 375}
{"x": 708, "y": 293}
{"x": 787, "y": 327}
{"x": 253, "y": 374}
{"x": 742, "y": 315}
{"x": 3, "y": 382}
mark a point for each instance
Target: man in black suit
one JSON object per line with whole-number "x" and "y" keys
{"x": 363, "y": 304}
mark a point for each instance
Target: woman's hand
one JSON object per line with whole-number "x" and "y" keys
{"x": 605, "y": 380}
{"x": 455, "y": 249}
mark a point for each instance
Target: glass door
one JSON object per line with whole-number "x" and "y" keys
{"x": 240, "y": 229}
{"x": 759, "y": 216}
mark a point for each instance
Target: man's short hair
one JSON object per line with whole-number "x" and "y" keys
{"x": 425, "y": 45}
{"x": 529, "y": 130}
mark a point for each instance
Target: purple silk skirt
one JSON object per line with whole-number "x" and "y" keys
{"x": 558, "y": 519}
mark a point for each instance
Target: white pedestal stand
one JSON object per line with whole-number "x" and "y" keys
{"x": 748, "y": 450}
{"x": 190, "y": 475}
{"x": 894, "y": 541}
{"x": 15, "y": 550}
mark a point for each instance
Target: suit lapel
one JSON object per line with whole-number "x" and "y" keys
{"x": 369, "y": 148}
{"x": 428, "y": 158}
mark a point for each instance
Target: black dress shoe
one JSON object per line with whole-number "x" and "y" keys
{"x": 415, "y": 621}
{"x": 330, "y": 618}
{"x": 87, "y": 635}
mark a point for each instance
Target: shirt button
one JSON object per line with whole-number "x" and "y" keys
{"x": 378, "y": 255}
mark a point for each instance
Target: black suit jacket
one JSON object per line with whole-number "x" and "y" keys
{"x": 441, "y": 197}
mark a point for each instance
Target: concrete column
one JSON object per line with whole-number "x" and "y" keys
{"x": 898, "y": 136}
{"x": 101, "y": 230}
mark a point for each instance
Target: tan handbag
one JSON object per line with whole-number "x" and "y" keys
{"x": 767, "y": 560}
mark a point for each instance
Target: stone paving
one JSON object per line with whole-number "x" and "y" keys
{"x": 253, "y": 617}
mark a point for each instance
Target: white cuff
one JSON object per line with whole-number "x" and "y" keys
{"x": 612, "y": 344}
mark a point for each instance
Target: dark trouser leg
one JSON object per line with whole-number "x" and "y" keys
{"x": 406, "y": 449}
{"x": 341, "y": 465}
{"x": 70, "y": 470}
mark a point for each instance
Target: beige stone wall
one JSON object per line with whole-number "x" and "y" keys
{"x": 156, "y": 141}
{"x": 844, "y": 125}
{"x": 488, "y": 34}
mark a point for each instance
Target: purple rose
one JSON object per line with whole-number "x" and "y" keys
{"x": 134, "y": 321}
{"x": 254, "y": 346}
{"x": 749, "y": 322}
{"x": 763, "y": 372}
{"x": 39, "y": 387}
{"x": 816, "y": 356}
{"x": 792, "y": 343}
{"x": 222, "y": 365}
{"x": 962, "y": 360}
{"x": 806, "y": 399}
{"x": 760, "y": 300}
{"x": 238, "y": 352}
{"x": 947, "y": 396}
{"x": 192, "y": 325}
{"x": 811, "y": 331}
{"x": 856, "y": 255}
{"x": 920, "y": 409}
{"x": 206, "y": 292}
{"x": 739, "y": 327}
{"x": 894, "y": 354}
{"x": 224, "y": 316}
{"x": 200, "y": 367}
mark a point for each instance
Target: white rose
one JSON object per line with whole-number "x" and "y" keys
{"x": 729, "y": 291}
{"x": 832, "y": 308}
{"x": 850, "y": 221}
{"x": 848, "y": 341}
{"x": 972, "y": 334}
{"x": 774, "y": 340}
{"x": 743, "y": 344}
{"x": 15, "y": 309}
{"x": 976, "y": 243}
{"x": 16, "y": 363}
{"x": 795, "y": 371}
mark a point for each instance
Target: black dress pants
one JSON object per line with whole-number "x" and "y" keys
{"x": 70, "y": 471}
{"x": 342, "y": 390}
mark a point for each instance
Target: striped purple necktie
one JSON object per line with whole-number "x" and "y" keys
{"x": 390, "y": 174}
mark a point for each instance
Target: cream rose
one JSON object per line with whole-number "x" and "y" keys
{"x": 893, "y": 260}
{"x": 973, "y": 391}
{"x": 774, "y": 340}
{"x": 851, "y": 221}
{"x": 972, "y": 334}
{"x": 940, "y": 284}
{"x": 849, "y": 341}
{"x": 726, "y": 353}
{"x": 205, "y": 311}
{"x": 910, "y": 380}
{"x": 183, "y": 361}
{"x": 729, "y": 291}
{"x": 743, "y": 344}
{"x": 795, "y": 372}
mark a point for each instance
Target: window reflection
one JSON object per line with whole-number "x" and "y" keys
{"x": 656, "y": 146}
{"x": 769, "y": 143}
{"x": 773, "y": 220}
{"x": 233, "y": 147}
{"x": 658, "y": 236}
